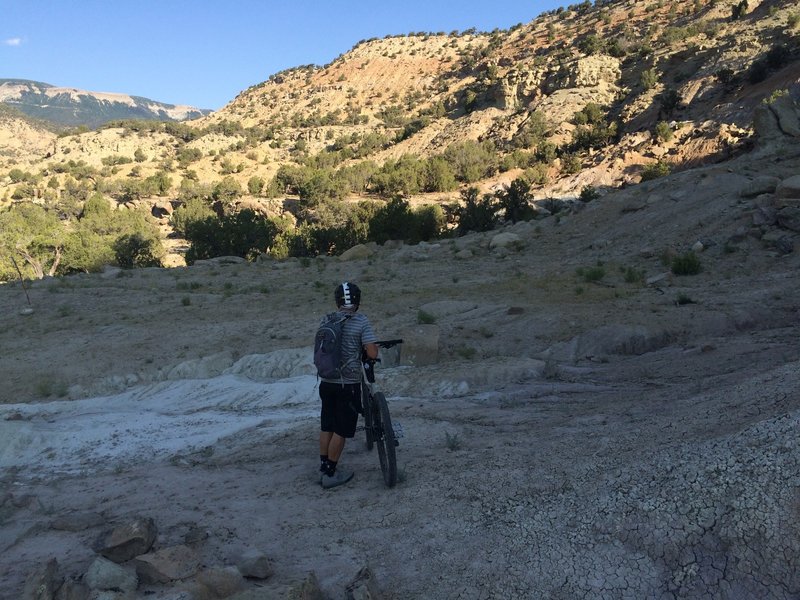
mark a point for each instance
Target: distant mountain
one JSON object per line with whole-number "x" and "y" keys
{"x": 71, "y": 107}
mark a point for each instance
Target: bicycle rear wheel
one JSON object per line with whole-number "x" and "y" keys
{"x": 386, "y": 443}
{"x": 369, "y": 425}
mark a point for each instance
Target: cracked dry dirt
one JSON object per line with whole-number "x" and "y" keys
{"x": 538, "y": 461}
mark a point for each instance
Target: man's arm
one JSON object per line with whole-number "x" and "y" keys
{"x": 371, "y": 350}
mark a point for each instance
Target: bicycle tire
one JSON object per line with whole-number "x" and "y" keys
{"x": 367, "y": 406}
{"x": 386, "y": 443}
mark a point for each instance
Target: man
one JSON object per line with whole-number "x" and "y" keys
{"x": 341, "y": 398}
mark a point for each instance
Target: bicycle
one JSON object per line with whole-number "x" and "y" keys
{"x": 377, "y": 420}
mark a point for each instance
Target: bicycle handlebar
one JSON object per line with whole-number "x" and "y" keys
{"x": 388, "y": 343}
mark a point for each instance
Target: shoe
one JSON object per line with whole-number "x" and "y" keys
{"x": 339, "y": 477}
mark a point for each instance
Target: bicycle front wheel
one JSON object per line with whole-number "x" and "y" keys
{"x": 386, "y": 443}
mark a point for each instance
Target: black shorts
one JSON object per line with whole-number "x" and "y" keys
{"x": 340, "y": 407}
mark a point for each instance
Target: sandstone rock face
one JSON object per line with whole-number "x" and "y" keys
{"x": 586, "y": 72}
{"x": 129, "y": 540}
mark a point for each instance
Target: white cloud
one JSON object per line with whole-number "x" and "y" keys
{"x": 13, "y": 41}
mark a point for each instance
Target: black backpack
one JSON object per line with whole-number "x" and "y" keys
{"x": 328, "y": 346}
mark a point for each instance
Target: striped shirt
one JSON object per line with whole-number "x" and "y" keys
{"x": 356, "y": 332}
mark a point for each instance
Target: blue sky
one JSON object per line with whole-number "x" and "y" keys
{"x": 203, "y": 53}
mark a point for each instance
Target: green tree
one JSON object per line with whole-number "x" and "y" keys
{"x": 515, "y": 201}
{"x": 245, "y": 234}
{"x": 135, "y": 250}
{"x": 532, "y": 132}
{"x": 34, "y": 237}
{"x": 255, "y": 184}
{"x": 439, "y": 175}
{"x": 476, "y": 214}
{"x": 192, "y": 210}
{"x": 139, "y": 156}
{"x": 472, "y": 161}
{"x": 393, "y": 221}
{"x": 227, "y": 190}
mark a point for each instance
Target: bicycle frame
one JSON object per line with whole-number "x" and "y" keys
{"x": 377, "y": 420}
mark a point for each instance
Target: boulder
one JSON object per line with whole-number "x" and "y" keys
{"x": 73, "y": 590}
{"x": 788, "y": 188}
{"x": 420, "y": 345}
{"x": 221, "y": 581}
{"x": 43, "y": 582}
{"x": 129, "y": 540}
{"x": 255, "y": 564}
{"x": 106, "y": 575}
{"x": 168, "y": 564}
{"x": 161, "y": 210}
{"x": 789, "y": 218}
{"x": 358, "y": 252}
{"x": 765, "y": 215}
{"x": 308, "y": 589}
{"x": 763, "y": 184}
{"x": 787, "y": 115}
{"x": 504, "y": 240}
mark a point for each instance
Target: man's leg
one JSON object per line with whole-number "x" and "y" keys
{"x": 335, "y": 447}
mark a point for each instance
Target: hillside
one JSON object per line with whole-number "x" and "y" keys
{"x": 73, "y": 107}
{"x": 580, "y": 97}
{"x": 599, "y": 400}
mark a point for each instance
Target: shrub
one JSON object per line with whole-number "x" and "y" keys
{"x": 655, "y": 170}
{"x": 591, "y": 274}
{"x": 571, "y": 163}
{"x": 515, "y": 201}
{"x": 134, "y": 250}
{"x": 477, "y": 214}
{"x": 425, "y": 318}
{"x": 192, "y": 210}
{"x": 227, "y": 190}
{"x": 649, "y": 79}
{"x": 471, "y": 160}
{"x": 588, "y": 193}
{"x": 670, "y": 100}
{"x": 663, "y": 132}
{"x": 686, "y": 264}
{"x": 739, "y": 10}
{"x": 243, "y": 234}
{"x": 255, "y": 184}
{"x": 532, "y": 133}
